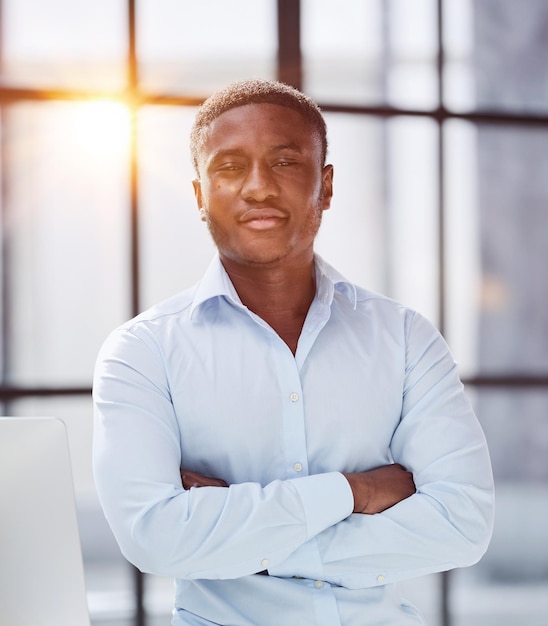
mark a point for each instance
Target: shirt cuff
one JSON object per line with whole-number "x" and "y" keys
{"x": 326, "y": 498}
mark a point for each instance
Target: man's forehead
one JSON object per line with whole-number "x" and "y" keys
{"x": 272, "y": 119}
{"x": 265, "y": 125}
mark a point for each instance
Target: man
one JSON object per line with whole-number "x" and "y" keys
{"x": 286, "y": 445}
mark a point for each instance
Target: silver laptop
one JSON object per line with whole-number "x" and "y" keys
{"x": 41, "y": 570}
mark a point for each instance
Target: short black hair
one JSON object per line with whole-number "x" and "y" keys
{"x": 255, "y": 91}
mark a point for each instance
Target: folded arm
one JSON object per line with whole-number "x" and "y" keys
{"x": 208, "y": 533}
{"x": 373, "y": 491}
{"x": 448, "y": 522}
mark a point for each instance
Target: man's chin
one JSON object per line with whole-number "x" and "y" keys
{"x": 258, "y": 258}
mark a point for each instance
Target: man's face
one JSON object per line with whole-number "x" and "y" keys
{"x": 262, "y": 186}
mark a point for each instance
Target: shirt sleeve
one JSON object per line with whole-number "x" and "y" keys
{"x": 448, "y": 522}
{"x": 207, "y": 532}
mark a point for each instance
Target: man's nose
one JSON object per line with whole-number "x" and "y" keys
{"x": 259, "y": 183}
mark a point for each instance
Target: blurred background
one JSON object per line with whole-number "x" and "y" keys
{"x": 437, "y": 115}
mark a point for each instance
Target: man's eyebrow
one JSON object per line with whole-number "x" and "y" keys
{"x": 230, "y": 152}
{"x": 227, "y": 152}
{"x": 287, "y": 146}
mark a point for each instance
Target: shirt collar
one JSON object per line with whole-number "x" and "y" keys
{"x": 216, "y": 284}
{"x": 329, "y": 280}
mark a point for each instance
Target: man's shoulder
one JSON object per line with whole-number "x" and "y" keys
{"x": 173, "y": 309}
{"x": 368, "y": 298}
{"x": 377, "y": 310}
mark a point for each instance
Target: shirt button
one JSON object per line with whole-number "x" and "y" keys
{"x": 318, "y": 584}
{"x": 298, "y": 467}
{"x": 380, "y": 578}
{"x": 264, "y": 563}
{"x": 294, "y": 396}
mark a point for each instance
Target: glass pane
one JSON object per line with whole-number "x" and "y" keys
{"x": 459, "y": 50}
{"x": 463, "y": 263}
{"x": 381, "y": 229}
{"x": 497, "y": 248}
{"x": 412, "y": 54}
{"x": 412, "y": 213}
{"x": 353, "y": 231}
{"x": 66, "y": 171}
{"x": 188, "y": 47}
{"x": 64, "y": 44}
{"x": 342, "y": 46}
{"x": 175, "y": 244}
{"x": 508, "y": 586}
{"x": 359, "y": 52}
{"x": 496, "y": 54}
{"x": 516, "y": 426}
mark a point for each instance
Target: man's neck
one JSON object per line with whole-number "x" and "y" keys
{"x": 281, "y": 296}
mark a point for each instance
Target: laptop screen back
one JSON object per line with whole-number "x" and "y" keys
{"x": 41, "y": 570}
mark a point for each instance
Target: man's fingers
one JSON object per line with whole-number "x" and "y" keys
{"x": 378, "y": 489}
{"x": 193, "y": 479}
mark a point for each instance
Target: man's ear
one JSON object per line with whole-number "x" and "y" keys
{"x": 198, "y": 192}
{"x": 199, "y": 200}
{"x": 327, "y": 186}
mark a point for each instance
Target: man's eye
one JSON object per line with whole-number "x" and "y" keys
{"x": 229, "y": 167}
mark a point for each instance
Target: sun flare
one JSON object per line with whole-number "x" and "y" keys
{"x": 103, "y": 128}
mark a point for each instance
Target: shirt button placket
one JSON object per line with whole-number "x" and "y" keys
{"x": 294, "y": 398}
{"x": 292, "y": 401}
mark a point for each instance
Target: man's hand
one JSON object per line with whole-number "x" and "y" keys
{"x": 193, "y": 479}
{"x": 378, "y": 489}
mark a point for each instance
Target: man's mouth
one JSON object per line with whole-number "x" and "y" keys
{"x": 263, "y": 219}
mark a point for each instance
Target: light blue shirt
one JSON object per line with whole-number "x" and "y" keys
{"x": 200, "y": 382}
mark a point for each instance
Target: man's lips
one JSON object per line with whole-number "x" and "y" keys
{"x": 262, "y": 219}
